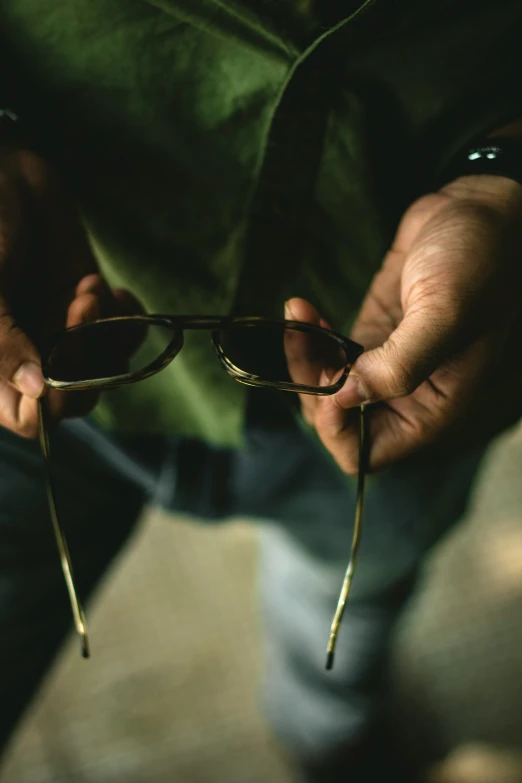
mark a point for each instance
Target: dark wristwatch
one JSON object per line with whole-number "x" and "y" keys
{"x": 501, "y": 157}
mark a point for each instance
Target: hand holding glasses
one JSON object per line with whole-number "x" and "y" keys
{"x": 285, "y": 355}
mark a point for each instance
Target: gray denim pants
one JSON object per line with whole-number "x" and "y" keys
{"x": 305, "y": 508}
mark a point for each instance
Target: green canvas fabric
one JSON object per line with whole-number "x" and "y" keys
{"x": 226, "y": 157}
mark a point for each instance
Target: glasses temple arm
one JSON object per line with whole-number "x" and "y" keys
{"x": 356, "y": 539}
{"x": 65, "y": 558}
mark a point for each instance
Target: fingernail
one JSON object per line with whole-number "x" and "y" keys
{"x": 353, "y": 393}
{"x": 288, "y": 313}
{"x": 29, "y": 380}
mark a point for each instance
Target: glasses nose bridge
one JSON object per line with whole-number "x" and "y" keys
{"x": 201, "y": 322}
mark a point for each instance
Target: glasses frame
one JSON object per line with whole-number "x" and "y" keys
{"x": 215, "y": 324}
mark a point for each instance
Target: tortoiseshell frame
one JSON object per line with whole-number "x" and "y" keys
{"x": 178, "y": 323}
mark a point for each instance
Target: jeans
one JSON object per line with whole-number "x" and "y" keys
{"x": 304, "y": 507}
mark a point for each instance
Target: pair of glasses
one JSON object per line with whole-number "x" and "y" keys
{"x": 285, "y": 355}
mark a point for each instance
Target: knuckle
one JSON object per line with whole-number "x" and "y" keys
{"x": 440, "y": 306}
{"x": 420, "y": 429}
{"x": 399, "y": 380}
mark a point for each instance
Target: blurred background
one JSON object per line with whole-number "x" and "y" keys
{"x": 170, "y": 693}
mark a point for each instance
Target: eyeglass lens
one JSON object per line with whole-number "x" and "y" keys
{"x": 282, "y": 354}
{"x": 108, "y": 349}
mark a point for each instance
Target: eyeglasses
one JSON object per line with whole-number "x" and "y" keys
{"x": 285, "y": 355}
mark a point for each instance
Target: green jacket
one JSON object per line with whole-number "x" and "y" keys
{"x": 226, "y": 157}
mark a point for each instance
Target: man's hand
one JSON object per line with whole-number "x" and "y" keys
{"x": 434, "y": 325}
{"x": 48, "y": 279}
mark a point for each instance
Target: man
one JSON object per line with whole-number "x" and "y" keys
{"x": 230, "y": 157}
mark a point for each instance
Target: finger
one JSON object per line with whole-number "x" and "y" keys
{"x": 304, "y": 356}
{"x": 97, "y": 285}
{"x": 400, "y": 427}
{"x": 19, "y": 359}
{"x": 338, "y": 429}
{"x": 18, "y": 412}
{"x": 71, "y": 404}
{"x": 20, "y": 372}
{"x": 379, "y": 318}
{"x": 112, "y": 345}
{"x": 85, "y": 308}
{"x": 68, "y": 404}
{"x": 420, "y": 343}
{"x": 446, "y": 276}
{"x": 91, "y": 284}
{"x": 95, "y": 300}
{"x": 297, "y": 309}
{"x": 118, "y": 301}
{"x": 381, "y": 311}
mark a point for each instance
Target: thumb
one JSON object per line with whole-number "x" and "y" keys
{"x": 421, "y": 342}
{"x": 19, "y": 359}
